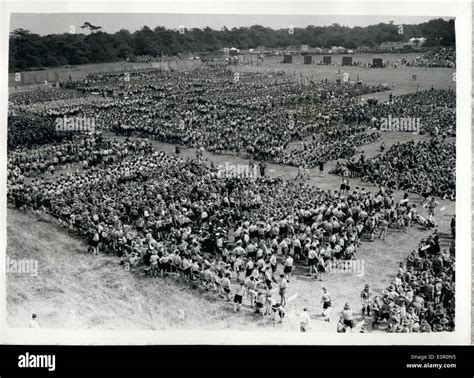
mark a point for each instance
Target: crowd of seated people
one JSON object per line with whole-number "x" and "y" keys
{"x": 426, "y": 168}
{"x": 421, "y": 298}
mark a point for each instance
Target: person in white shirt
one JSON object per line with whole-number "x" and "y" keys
{"x": 273, "y": 264}
{"x": 239, "y": 294}
{"x": 249, "y": 268}
{"x": 312, "y": 255}
{"x": 304, "y": 320}
{"x": 346, "y": 317}
{"x": 288, "y": 268}
{"x": 239, "y": 251}
{"x": 326, "y": 300}
{"x": 225, "y": 284}
{"x": 283, "y": 247}
{"x": 154, "y": 264}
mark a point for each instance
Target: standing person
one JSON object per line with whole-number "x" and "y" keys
{"x": 164, "y": 264}
{"x": 187, "y": 269}
{"x": 249, "y": 268}
{"x": 273, "y": 264}
{"x": 344, "y": 188}
{"x": 251, "y": 169}
{"x": 296, "y": 243}
{"x": 347, "y": 319}
{"x": 300, "y": 174}
{"x": 312, "y": 261}
{"x": 370, "y": 225}
{"x": 225, "y": 284}
{"x": 282, "y": 290}
{"x": 383, "y": 226}
{"x": 260, "y": 303}
{"x": 366, "y": 300}
{"x": 304, "y": 320}
{"x": 263, "y": 166}
{"x": 321, "y": 168}
{"x": 200, "y": 153}
{"x": 34, "y": 323}
{"x": 95, "y": 243}
{"x": 239, "y": 294}
{"x": 432, "y": 205}
{"x": 251, "y": 290}
{"x": 305, "y": 170}
{"x": 154, "y": 264}
{"x": 267, "y": 272}
{"x": 326, "y": 300}
{"x": 320, "y": 267}
{"x": 288, "y": 267}
{"x": 176, "y": 262}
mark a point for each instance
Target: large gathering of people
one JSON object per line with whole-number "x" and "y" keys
{"x": 87, "y": 151}
{"x": 256, "y": 114}
{"x": 313, "y": 153}
{"x": 432, "y": 111}
{"x": 421, "y": 298}
{"x": 425, "y": 168}
{"x": 239, "y": 236}
{"x": 270, "y": 212}
{"x": 40, "y": 95}
{"x": 442, "y": 57}
{"x": 27, "y": 131}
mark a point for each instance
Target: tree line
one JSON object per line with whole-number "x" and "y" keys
{"x": 31, "y": 51}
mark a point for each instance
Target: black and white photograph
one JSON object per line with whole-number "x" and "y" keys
{"x": 294, "y": 177}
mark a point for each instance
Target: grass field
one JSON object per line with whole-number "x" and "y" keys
{"x": 401, "y": 77}
{"x": 77, "y": 290}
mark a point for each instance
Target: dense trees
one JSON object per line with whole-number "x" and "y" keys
{"x": 30, "y": 51}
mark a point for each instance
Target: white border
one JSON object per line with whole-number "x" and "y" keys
{"x": 461, "y": 10}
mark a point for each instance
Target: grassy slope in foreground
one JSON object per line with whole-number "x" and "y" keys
{"x": 76, "y": 290}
